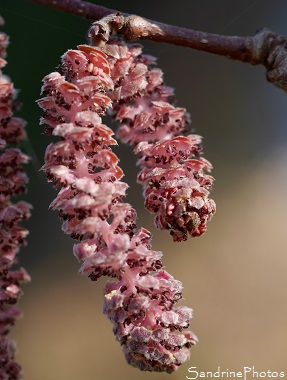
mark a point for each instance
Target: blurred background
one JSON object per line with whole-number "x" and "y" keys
{"x": 235, "y": 275}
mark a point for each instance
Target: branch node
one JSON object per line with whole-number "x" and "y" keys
{"x": 137, "y": 27}
{"x": 276, "y": 60}
{"x": 101, "y": 31}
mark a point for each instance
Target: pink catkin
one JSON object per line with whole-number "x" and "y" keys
{"x": 140, "y": 299}
{"x": 173, "y": 173}
{"x": 12, "y": 236}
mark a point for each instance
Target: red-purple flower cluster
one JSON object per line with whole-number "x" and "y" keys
{"x": 140, "y": 299}
{"x": 173, "y": 173}
{"x": 12, "y": 236}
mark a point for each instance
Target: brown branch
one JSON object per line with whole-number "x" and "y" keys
{"x": 78, "y": 7}
{"x": 265, "y": 47}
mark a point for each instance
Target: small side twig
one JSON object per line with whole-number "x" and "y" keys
{"x": 264, "y": 48}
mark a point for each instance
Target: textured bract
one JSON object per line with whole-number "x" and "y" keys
{"x": 140, "y": 299}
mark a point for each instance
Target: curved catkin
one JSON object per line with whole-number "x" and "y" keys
{"x": 12, "y": 236}
{"x": 173, "y": 172}
{"x": 141, "y": 298}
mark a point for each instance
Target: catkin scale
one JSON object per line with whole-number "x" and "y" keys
{"x": 141, "y": 298}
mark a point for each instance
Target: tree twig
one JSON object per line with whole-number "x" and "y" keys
{"x": 265, "y": 47}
